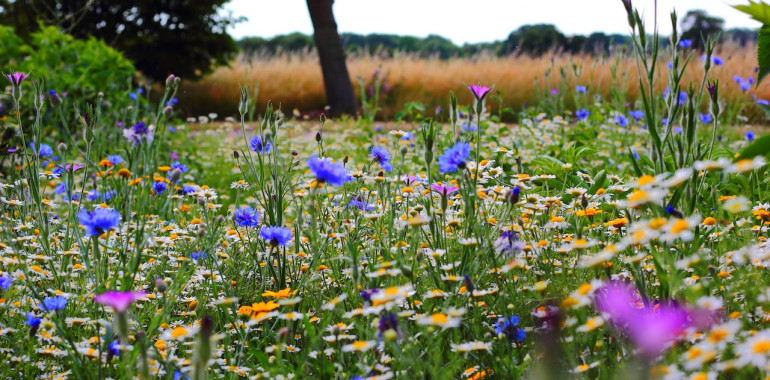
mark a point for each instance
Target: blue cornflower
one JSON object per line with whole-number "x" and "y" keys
{"x": 159, "y": 187}
{"x": 382, "y": 156}
{"x": 115, "y": 160}
{"x": 363, "y": 206}
{"x": 582, "y": 114}
{"x": 114, "y": 348}
{"x": 682, "y": 98}
{"x": 53, "y": 303}
{"x": 5, "y": 282}
{"x": 717, "y": 61}
{"x": 466, "y": 128}
{"x": 744, "y": 86}
{"x": 57, "y": 172}
{"x": 257, "y": 145}
{"x": 276, "y": 235}
{"x": 454, "y": 158}
{"x": 621, "y": 120}
{"x": 763, "y": 102}
{"x": 108, "y": 195}
{"x": 664, "y": 121}
{"x": 670, "y": 65}
{"x": 177, "y": 165}
{"x": 61, "y": 188}
{"x": 188, "y": 189}
{"x": 198, "y": 254}
{"x": 327, "y": 171}
{"x": 93, "y": 195}
{"x": 246, "y": 217}
{"x": 508, "y": 326}
{"x": 44, "y": 150}
{"x": 32, "y": 320}
{"x": 678, "y": 130}
{"x": 637, "y": 115}
{"x": 388, "y": 321}
{"x": 749, "y": 135}
{"x": 685, "y": 43}
{"x": 581, "y": 89}
{"x": 706, "y": 118}
{"x": 133, "y": 95}
{"x": 98, "y": 221}
{"x": 407, "y": 136}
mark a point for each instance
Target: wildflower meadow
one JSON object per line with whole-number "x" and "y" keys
{"x": 609, "y": 240}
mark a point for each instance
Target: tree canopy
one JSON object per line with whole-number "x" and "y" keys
{"x": 184, "y": 37}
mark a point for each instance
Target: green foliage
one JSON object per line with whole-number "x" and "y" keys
{"x": 758, "y": 10}
{"x": 186, "y": 38}
{"x": 758, "y": 147}
{"x": 80, "y": 68}
{"x": 763, "y": 53}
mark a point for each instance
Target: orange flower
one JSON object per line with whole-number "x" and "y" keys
{"x": 283, "y": 293}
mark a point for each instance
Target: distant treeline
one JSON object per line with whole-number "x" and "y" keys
{"x": 528, "y": 39}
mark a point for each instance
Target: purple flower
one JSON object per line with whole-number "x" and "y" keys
{"x": 445, "y": 191}
{"x": 326, "y": 171}
{"x": 652, "y": 328}
{"x": 749, "y": 135}
{"x": 120, "y": 301}
{"x": 138, "y": 132}
{"x": 706, "y": 118}
{"x": 276, "y": 235}
{"x": 763, "y": 102}
{"x": 685, "y": 43}
{"x": 53, "y": 303}
{"x": 581, "y": 89}
{"x": 98, "y": 221}
{"x": 479, "y": 91}
{"x": 637, "y": 115}
{"x": 454, "y": 158}
{"x": 16, "y": 78}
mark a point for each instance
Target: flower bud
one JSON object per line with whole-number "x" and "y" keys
{"x": 54, "y": 98}
{"x": 176, "y": 175}
{"x": 160, "y": 285}
{"x": 168, "y": 111}
{"x": 236, "y": 154}
{"x": 294, "y": 152}
{"x": 62, "y": 147}
{"x": 318, "y": 136}
{"x": 170, "y": 80}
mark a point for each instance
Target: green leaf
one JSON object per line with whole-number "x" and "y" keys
{"x": 763, "y": 53}
{"x": 757, "y": 10}
{"x": 760, "y": 147}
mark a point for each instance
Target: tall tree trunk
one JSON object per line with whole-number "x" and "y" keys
{"x": 339, "y": 89}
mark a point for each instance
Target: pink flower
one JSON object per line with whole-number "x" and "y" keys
{"x": 651, "y": 327}
{"x": 479, "y": 91}
{"x": 443, "y": 190}
{"x": 118, "y": 300}
{"x": 16, "y": 78}
{"x": 72, "y": 168}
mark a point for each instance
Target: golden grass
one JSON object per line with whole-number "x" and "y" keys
{"x": 294, "y": 80}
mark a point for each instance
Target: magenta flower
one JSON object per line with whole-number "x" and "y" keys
{"x": 443, "y": 190}
{"x": 652, "y": 328}
{"x": 16, "y": 78}
{"x": 120, "y": 301}
{"x": 479, "y": 91}
{"x": 72, "y": 168}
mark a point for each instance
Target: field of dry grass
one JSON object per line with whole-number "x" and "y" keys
{"x": 294, "y": 80}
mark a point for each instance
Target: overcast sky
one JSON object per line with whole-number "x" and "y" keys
{"x": 468, "y": 20}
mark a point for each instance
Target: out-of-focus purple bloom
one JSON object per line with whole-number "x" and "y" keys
{"x": 749, "y": 135}
{"x": 119, "y": 301}
{"x": 138, "y": 132}
{"x": 581, "y": 89}
{"x": 685, "y": 43}
{"x": 159, "y": 187}
{"x": 763, "y": 102}
{"x": 706, "y": 118}
{"x": 637, "y": 115}
{"x": 98, "y": 221}
{"x": 54, "y": 303}
{"x": 652, "y": 328}
{"x": 257, "y": 145}
{"x": 5, "y": 282}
